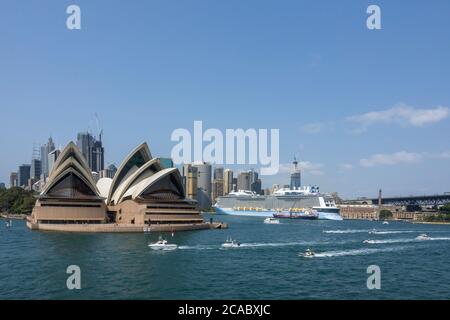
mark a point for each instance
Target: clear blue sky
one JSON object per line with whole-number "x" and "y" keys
{"x": 310, "y": 68}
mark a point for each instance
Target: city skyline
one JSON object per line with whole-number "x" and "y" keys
{"x": 356, "y": 113}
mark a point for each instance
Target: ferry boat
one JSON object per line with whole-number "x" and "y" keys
{"x": 304, "y": 214}
{"x": 248, "y": 203}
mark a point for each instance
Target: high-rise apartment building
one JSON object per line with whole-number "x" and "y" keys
{"x": 35, "y": 170}
{"x": 92, "y": 150}
{"x": 13, "y": 182}
{"x": 23, "y": 175}
{"x": 227, "y": 181}
{"x": 45, "y": 151}
{"x": 51, "y": 159}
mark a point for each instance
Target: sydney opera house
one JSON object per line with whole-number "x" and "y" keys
{"x": 141, "y": 195}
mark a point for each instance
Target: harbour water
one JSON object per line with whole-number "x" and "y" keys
{"x": 266, "y": 266}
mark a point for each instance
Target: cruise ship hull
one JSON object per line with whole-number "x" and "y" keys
{"x": 245, "y": 213}
{"x": 233, "y": 205}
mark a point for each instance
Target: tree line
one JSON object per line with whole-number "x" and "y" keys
{"x": 17, "y": 201}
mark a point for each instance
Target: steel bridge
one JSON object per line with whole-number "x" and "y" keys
{"x": 430, "y": 200}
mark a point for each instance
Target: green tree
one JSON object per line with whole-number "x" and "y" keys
{"x": 16, "y": 200}
{"x": 385, "y": 214}
{"x": 445, "y": 208}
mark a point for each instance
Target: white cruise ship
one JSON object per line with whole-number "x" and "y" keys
{"x": 248, "y": 203}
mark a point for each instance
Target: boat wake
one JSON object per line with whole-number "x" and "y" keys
{"x": 198, "y": 247}
{"x": 354, "y": 252}
{"x": 346, "y": 231}
{"x": 439, "y": 239}
{"x": 387, "y": 241}
{"x": 394, "y": 232}
{"x": 251, "y": 245}
{"x": 276, "y": 244}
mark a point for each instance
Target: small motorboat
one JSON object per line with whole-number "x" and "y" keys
{"x": 423, "y": 236}
{"x": 309, "y": 253}
{"x": 230, "y": 243}
{"x": 385, "y": 222}
{"x": 162, "y": 244}
{"x": 271, "y": 221}
{"x": 367, "y": 241}
{"x": 373, "y": 231}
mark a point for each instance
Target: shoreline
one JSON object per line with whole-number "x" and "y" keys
{"x": 13, "y": 216}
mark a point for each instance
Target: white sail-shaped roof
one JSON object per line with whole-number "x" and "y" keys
{"x": 70, "y": 176}
{"x": 147, "y": 170}
{"x": 136, "y": 159}
{"x": 170, "y": 178}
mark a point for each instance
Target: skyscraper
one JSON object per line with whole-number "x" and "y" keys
{"x": 109, "y": 172}
{"x": 35, "y": 170}
{"x": 203, "y": 184}
{"x": 255, "y": 182}
{"x": 218, "y": 173}
{"x": 92, "y": 150}
{"x": 243, "y": 181}
{"x": 51, "y": 159}
{"x": 13, "y": 180}
{"x": 218, "y": 184}
{"x": 45, "y": 150}
{"x": 23, "y": 175}
{"x": 227, "y": 181}
{"x": 296, "y": 182}
{"x": 190, "y": 175}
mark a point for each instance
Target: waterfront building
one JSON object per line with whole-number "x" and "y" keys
{"x": 227, "y": 181}
{"x": 217, "y": 189}
{"x": 23, "y": 175}
{"x": 51, "y": 159}
{"x": 234, "y": 184}
{"x": 204, "y": 188}
{"x": 296, "y": 181}
{"x": 44, "y": 156}
{"x": 2, "y": 186}
{"x": 13, "y": 180}
{"x": 35, "y": 170}
{"x": 190, "y": 175}
{"x": 248, "y": 180}
{"x": 142, "y": 193}
{"x": 218, "y": 184}
{"x": 243, "y": 181}
{"x": 218, "y": 173}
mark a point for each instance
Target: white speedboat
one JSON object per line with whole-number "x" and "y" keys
{"x": 271, "y": 221}
{"x": 230, "y": 243}
{"x": 309, "y": 253}
{"x": 423, "y": 236}
{"x": 162, "y": 244}
{"x": 385, "y": 222}
{"x": 373, "y": 231}
{"x": 367, "y": 241}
